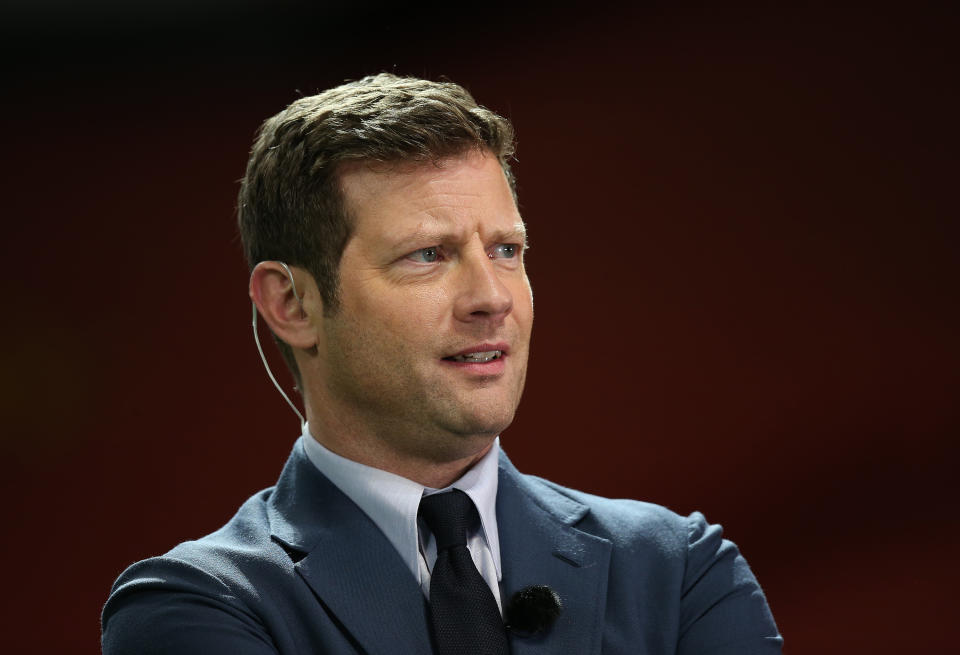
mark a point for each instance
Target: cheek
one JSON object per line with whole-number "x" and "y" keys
{"x": 410, "y": 315}
{"x": 522, "y": 301}
{"x": 435, "y": 304}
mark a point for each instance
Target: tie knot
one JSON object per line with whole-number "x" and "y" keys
{"x": 448, "y": 515}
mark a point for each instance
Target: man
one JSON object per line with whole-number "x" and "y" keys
{"x": 381, "y": 225}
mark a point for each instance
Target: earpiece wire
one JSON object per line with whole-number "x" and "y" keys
{"x": 263, "y": 357}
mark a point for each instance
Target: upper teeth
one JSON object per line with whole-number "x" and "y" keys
{"x": 478, "y": 357}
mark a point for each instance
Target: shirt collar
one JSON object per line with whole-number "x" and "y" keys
{"x": 392, "y": 501}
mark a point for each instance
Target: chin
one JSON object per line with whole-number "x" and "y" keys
{"x": 458, "y": 446}
{"x": 483, "y": 418}
{"x": 483, "y": 426}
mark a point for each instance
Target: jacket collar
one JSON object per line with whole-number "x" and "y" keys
{"x": 540, "y": 544}
{"x": 348, "y": 562}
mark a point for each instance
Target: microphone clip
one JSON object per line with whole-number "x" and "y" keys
{"x": 532, "y": 610}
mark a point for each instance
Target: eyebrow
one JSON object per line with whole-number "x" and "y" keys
{"x": 431, "y": 236}
{"x": 519, "y": 230}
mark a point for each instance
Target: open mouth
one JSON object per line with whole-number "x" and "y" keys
{"x": 477, "y": 358}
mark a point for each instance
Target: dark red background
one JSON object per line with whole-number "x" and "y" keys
{"x": 744, "y": 244}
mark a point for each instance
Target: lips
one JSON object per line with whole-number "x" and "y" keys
{"x": 480, "y": 357}
{"x": 479, "y": 354}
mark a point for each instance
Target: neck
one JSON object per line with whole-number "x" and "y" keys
{"x": 430, "y": 460}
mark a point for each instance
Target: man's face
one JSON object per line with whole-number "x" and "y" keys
{"x": 427, "y": 352}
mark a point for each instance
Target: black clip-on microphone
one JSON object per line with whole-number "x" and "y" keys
{"x": 532, "y": 610}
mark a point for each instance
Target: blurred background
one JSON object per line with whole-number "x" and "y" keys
{"x": 744, "y": 256}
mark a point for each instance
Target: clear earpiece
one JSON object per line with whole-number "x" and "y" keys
{"x": 263, "y": 357}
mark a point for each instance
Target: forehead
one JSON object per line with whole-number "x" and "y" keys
{"x": 463, "y": 193}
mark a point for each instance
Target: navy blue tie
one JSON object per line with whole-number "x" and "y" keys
{"x": 463, "y": 611}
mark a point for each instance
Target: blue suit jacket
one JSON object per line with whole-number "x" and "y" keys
{"x": 300, "y": 569}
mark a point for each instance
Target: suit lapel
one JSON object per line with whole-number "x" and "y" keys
{"x": 540, "y": 545}
{"x": 348, "y": 562}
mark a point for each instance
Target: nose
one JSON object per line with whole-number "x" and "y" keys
{"x": 482, "y": 296}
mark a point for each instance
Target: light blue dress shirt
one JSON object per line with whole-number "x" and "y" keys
{"x": 392, "y": 501}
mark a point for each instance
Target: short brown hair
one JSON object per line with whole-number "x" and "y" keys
{"x": 290, "y": 206}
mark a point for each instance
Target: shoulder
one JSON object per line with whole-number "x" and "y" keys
{"x": 628, "y": 522}
{"x": 634, "y": 527}
{"x": 622, "y": 521}
{"x": 226, "y": 559}
{"x": 255, "y": 545}
{"x": 681, "y": 565}
{"x": 218, "y": 580}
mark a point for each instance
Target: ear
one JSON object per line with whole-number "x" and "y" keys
{"x": 272, "y": 291}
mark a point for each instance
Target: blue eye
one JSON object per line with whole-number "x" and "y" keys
{"x": 505, "y": 251}
{"x": 425, "y": 255}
